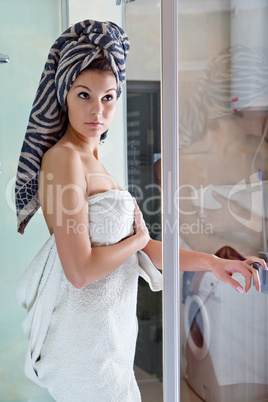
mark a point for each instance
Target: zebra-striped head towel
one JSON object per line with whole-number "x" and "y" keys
{"x": 72, "y": 52}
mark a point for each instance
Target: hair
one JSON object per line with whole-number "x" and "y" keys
{"x": 101, "y": 64}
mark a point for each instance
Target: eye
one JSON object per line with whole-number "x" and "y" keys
{"x": 83, "y": 95}
{"x": 108, "y": 97}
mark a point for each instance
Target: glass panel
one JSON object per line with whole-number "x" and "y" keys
{"x": 27, "y": 30}
{"x": 138, "y": 165}
{"x": 144, "y": 176}
{"x": 133, "y": 159}
{"x": 223, "y": 110}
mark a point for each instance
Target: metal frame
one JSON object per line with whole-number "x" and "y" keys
{"x": 170, "y": 130}
{"x": 64, "y": 15}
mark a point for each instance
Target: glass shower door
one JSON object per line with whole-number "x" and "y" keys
{"x": 142, "y": 24}
{"x": 223, "y": 110}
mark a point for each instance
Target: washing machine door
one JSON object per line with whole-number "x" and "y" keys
{"x": 197, "y": 326}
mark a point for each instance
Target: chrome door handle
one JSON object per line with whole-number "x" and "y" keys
{"x": 4, "y": 58}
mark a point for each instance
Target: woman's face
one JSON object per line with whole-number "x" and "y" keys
{"x": 91, "y": 103}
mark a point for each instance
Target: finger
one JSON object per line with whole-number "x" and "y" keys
{"x": 256, "y": 278}
{"x": 137, "y": 213}
{"x": 260, "y": 261}
{"x": 248, "y": 282}
{"x": 139, "y": 221}
{"x": 232, "y": 282}
{"x": 248, "y": 273}
{"x": 263, "y": 264}
{"x": 135, "y": 203}
{"x": 138, "y": 218}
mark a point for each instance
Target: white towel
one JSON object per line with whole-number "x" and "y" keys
{"x": 82, "y": 342}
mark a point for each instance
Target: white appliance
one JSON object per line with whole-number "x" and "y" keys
{"x": 226, "y": 340}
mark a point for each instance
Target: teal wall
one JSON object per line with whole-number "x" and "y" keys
{"x": 27, "y": 30}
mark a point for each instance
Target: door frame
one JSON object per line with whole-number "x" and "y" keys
{"x": 170, "y": 180}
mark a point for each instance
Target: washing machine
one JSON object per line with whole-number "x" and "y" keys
{"x": 225, "y": 347}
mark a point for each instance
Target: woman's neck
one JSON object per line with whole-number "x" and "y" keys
{"x": 74, "y": 140}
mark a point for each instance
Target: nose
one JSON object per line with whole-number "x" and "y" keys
{"x": 97, "y": 107}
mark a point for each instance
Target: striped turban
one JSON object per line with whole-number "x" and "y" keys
{"x": 72, "y": 52}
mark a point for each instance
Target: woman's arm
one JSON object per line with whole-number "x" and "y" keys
{"x": 66, "y": 199}
{"x": 223, "y": 269}
{"x": 154, "y": 251}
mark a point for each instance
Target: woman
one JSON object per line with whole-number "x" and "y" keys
{"x": 80, "y": 290}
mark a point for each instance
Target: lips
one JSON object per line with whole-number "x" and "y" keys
{"x": 94, "y": 123}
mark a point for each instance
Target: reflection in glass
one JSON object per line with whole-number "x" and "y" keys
{"x": 223, "y": 91}
{"x": 144, "y": 173}
{"x": 143, "y": 122}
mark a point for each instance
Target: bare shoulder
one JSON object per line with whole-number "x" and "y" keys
{"x": 60, "y": 154}
{"x": 62, "y": 165}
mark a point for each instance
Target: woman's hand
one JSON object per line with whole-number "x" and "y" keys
{"x": 224, "y": 269}
{"x": 140, "y": 228}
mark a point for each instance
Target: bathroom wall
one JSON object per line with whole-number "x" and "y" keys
{"x": 27, "y": 30}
